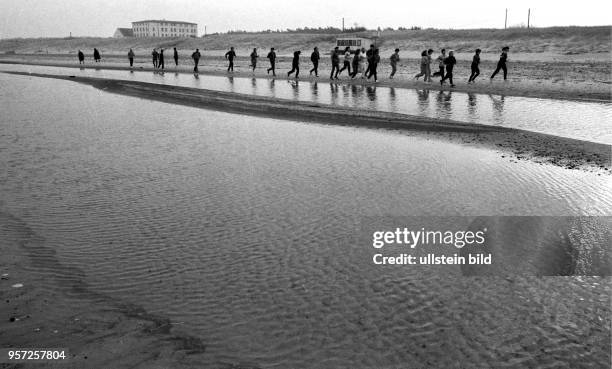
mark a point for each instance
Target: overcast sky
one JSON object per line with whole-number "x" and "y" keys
{"x": 57, "y": 18}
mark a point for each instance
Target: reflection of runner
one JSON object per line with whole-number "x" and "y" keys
{"x": 475, "y": 69}
{"x": 230, "y": 55}
{"x": 501, "y": 64}
{"x": 498, "y": 106}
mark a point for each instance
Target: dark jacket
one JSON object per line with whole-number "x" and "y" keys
{"x": 296, "y": 59}
{"x": 335, "y": 58}
{"x": 450, "y": 62}
{"x": 272, "y": 56}
{"x": 475, "y": 60}
{"x": 314, "y": 57}
{"x": 230, "y": 55}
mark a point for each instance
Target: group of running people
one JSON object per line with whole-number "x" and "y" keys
{"x": 364, "y": 63}
{"x": 360, "y": 62}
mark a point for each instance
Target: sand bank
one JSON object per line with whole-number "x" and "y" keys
{"x": 567, "y": 81}
{"x": 513, "y": 143}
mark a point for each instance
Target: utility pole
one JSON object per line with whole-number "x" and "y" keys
{"x": 506, "y": 21}
{"x": 204, "y": 30}
{"x": 528, "y": 16}
{"x": 343, "y": 24}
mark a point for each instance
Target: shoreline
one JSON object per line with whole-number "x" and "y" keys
{"x": 519, "y": 144}
{"x": 533, "y": 89}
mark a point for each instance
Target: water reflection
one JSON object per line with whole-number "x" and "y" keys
{"x": 345, "y": 91}
{"x": 565, "y": 118}
{"x": 314, "y": 91}
{"x": 443, "y": 104}
{"x": 272, "y": 87}
{"x": 371, "y": 93}
{"x": 333, "y": 87}
{"x": 498, "y": 106}
{"x": 423, "y": 101}
{"x": 295, "y": 84}
{"x": 472, "y": 104}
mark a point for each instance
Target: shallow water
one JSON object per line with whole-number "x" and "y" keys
{"x": 243, "y": 231}
{"x": 582, "y": 120}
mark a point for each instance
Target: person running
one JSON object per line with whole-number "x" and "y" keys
{"x": 160, "y": 62}
{"x": 346, "y": 61}
{"x": 335, "y": 60}
{"x": 254, "y": 57}
{"x": 362, "y": 62}
{"x": 96, "y": 55}
{"x": 440, "y": 60}
{"x": 394, "y": 59}
{"x": 423, "y": 64}
{"x": 295, "y": 64}
{"x": 373, "y": 65}
{"x": 475, "y": 69}
{"x": 429, "y": 60}
{"x": 314, "y": 58}
{"x": 272, "y": 58}
{"x": 369, "y": 54}
{"x": 175, "y": 57}
{"x": 449, "y": 64}
{"x": 81, "y": 57}
{"x": 230, "y": 55}
{"x": 154, "y": 54}
{"x": 131, "y": 57}
{"x": 501, "y": 64}
{"x": 356, "y": 58}
{"x": 196, "y": 59}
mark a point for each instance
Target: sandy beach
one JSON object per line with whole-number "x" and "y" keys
{"x": 535, "y": 76}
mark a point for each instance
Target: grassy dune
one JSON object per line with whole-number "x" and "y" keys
{"x": 554, "y": 40}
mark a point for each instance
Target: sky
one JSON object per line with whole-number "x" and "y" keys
{"x": 60, "y": 18}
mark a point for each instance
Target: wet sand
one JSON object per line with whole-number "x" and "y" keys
{"x": 56, "y": 309}
{"x": 518, "y": 144}
{"x": 587, "y": 81}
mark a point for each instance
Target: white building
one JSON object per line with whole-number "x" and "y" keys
{"x": 164, "y": 28}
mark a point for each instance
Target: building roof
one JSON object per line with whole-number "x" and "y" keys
{"x": 164, "y": 21}
{"x": 125, "y": 32}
